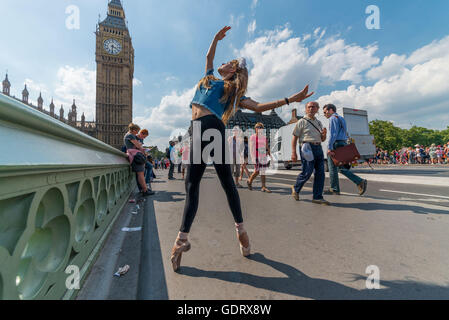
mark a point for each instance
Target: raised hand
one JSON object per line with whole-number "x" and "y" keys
{"x": 300, "y": 96}
{"x": 222, "y": 33}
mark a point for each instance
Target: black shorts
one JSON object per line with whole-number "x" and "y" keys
{"x": 138, "y": 167}
{"x": 138, "y": 164}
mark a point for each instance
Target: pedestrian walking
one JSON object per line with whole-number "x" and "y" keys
{"x": 310, "y": 133}
{"x": 244, "y": 166}
{"x": 260, "y": 153}
{"x": 215, "y": 101}
{"x": 338, "y": 138}
{"x": 234, "y": 143}
{"x": 185, "y": 155}
{"x": 171, "y": 159}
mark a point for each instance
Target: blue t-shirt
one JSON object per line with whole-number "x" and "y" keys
{"x": 210, "y": 98}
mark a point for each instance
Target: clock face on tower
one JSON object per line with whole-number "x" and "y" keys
{"x": 112, "y": 46}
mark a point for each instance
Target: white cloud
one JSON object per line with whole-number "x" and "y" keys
{"x": 391, "y": 65}
{"x": 235, "y": 21}
{"x": 77, "y": 83}
{"x": 254, "y": 4}
{"x": 34, "y": 89}
{"x": 137, "y": 82}
{"x": 282, "y": 63}
{"x": 436, "y": 49}
{"x": 171, "y": 78}
{"x": 419, "y": 95}
{"x": 252, "y": 27}
{"x": 172, "y": 113}
{"x": 342, "y": 62}
{"x": 396, "y": 64}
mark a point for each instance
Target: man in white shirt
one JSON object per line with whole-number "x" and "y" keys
{"x": 309, "y": 130}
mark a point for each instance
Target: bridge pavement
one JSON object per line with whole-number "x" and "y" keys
{"x": 300, "y": 250}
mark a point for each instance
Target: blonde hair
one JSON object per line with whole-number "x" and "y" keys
{"x": 234, "y": 89}
{"x": 133, "y": 127}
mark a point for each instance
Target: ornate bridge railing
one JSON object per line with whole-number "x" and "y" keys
{"x": 60, "y": 191}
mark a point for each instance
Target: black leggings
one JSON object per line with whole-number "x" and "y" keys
{"x": 195, "y": 173}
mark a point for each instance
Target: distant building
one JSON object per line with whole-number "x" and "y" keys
{"x": 72, "y": 117}
{"x": 247, "y": 120}
{"x": 114, "y": 56}
{"x": 295, "y": 118}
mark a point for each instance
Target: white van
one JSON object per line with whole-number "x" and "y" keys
{"x": 358, "y": 129}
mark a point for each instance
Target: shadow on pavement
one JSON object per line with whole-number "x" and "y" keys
{"x": 165, "y": 196}
{"x": 300, "y": 285}
{"x": 373, "y": 206}
{"x": 152, "y": 284}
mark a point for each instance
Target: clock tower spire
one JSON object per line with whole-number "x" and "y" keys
{"x": 115, "y": 73}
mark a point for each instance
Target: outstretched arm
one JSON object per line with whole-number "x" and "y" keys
{"x": 261, "y": 107}
{"x": 211, "y": 53}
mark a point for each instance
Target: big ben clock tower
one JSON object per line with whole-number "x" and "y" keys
{"x": 115, "y": 72}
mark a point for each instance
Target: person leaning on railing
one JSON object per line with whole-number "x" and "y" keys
{"x": 136, "y": 156}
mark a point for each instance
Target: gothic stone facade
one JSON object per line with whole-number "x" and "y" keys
{"x": 88, "y": 127}
{"x": 114, "y": 89}
{"x": 115, "y": 72}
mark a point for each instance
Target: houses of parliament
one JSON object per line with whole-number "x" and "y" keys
{"x": 114, "y": 57}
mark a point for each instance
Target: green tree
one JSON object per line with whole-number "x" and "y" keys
{"x": 389, "y": 137}
{"x": 386, "y": 135}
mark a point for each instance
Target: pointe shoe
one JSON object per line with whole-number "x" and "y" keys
{"x": 176, "y": 253}
{"x": 245, "y": 247}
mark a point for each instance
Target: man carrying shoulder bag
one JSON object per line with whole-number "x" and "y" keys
{"x": 310, "y": 133}
{"x": 337, "y": 139}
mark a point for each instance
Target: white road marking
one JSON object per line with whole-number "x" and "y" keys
{"x": 391, "y": 201}
{"x": 424, "y": 200}
{"x": 415, "y": 194}
{"x": 390, "y": 178}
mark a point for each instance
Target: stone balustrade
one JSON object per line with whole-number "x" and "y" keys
{"x": 60, "y": 192}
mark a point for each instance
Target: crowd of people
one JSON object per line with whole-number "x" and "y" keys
{"x": 419, "y": 154}
{"x": 214, "y": 103}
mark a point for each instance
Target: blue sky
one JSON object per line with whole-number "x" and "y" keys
{"x": 397, "y": 73}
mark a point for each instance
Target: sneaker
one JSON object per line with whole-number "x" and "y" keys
{"x": 321, "y": 201}
{"x": 362, "y": 187}
{"x": 295, "y": 194}
{"x": 147, "y": 193}
{"x": 333, "y": 192}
